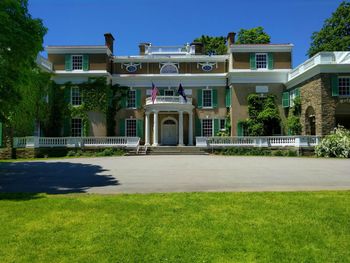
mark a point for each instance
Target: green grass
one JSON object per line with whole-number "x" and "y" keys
{"x": 184, "y": 227}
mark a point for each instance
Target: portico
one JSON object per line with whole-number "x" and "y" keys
{"x": 167, "y": 120}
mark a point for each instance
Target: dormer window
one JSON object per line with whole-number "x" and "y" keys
{"x": 77, "y": 62}
{"x": 261, "y": 60}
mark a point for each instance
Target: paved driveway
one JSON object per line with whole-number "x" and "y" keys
{"x": 144, "y": 174}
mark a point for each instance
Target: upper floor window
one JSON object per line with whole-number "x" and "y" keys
{"x": 131, "y": 99}
{"x": 130, "y": 128}
{"x": 168, "y": 92}
{"x": 75, "y": 96}
{"x": 169, "y": 68}
{"x": 207, "y": 98}
{"x": 207, "y": 127}
{"x": 76, "y": 127}
{"x": 344, "y": 86}
{"x": 77, "y": 62}
{"x": 261, "y": 60}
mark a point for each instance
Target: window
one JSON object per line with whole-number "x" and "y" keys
{"x": 130, "y": 128}
{"x": 131, "y": 99}
{"x": 261, "y": 60}
{"x": 344, "y": 86}
{"x": 207, "y": 127}
{"x": 76, "y": 126}
{"x": 168, "y": 92}
{"x": 77, "y": 62}
{"x": 207, "y": 98}
{"x": 75, "y": 96}
{"x": 293, "y": 94}
{"x": 222, "y": 125}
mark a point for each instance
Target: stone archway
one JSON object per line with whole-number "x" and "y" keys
{"x": 310, "y": 121}
{"x": 342, "y": 115}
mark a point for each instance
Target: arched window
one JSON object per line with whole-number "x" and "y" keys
{"x": 169, "y": 69}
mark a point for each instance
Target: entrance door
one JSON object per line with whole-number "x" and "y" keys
{"x": 169, "y": 133}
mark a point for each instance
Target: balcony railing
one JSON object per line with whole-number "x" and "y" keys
{"x": 170, "y": 50}
{"x": 43, "y": 62}
{"x": 168, "y": 100}
{"x": 263, "y": 141}
{"x": 75, "y": 142}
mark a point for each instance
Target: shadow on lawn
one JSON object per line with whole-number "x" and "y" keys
{"x": 51, "y": 178}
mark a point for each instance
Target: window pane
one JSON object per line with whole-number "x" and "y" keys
{"x": 261, "y": 60}
{"x": 131, "y": 128}
{"x": 344, "y": 86}
{"x": 207, "y": 98}
{"x": 222, "y": 124}
{"x": 132, "y": 99}
{"x": 168, "y": 92}
{"x": 207, "y": 127}
{"x": 77, "y": 62}
{"x": 76, "y": 98}
{"x": 76, "y": 127}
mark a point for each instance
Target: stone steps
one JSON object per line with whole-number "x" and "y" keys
{"x": 170, "y": 150}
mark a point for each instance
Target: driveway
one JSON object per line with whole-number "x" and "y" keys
{"x": 146, "y": 174}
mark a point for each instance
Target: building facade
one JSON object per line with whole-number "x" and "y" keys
{"x": 216, "y": 88}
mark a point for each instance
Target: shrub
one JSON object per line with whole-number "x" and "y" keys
{"x": 71, "y": 153}
{"x": 337, "y": 144}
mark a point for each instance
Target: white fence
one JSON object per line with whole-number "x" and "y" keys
{"x": 72, "y": 142}
{"x": 268, "y": 141}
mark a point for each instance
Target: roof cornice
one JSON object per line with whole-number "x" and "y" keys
{"x": 78, "y": 50}
{"x": 261, "y": 48}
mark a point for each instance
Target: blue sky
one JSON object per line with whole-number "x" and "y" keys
{"x": 163, "y": 22}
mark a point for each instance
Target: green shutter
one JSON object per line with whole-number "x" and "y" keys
{"x": 139, "y": 127}
{"x": 85, "y": 62}
{"x": 297, "y": 92}
{"x": 252, "y": 61}
{"x": 270, "y": 60}
{"x": 285, "y": 99}
{"x": 199, "y": 99}
{"x": 67, "y": 94}
{"x": 335, "y": 85}
{"x": 138, "y": 98}
{"x": 68, "y": 62}
{"x": 216, "y": 126}
{"x": 215, "y": 98}
{"x": 228, "y": 97}
{"x": 123, "y": 101}
{"x": 161, "y": 92}
{"x": 1, "y": 134}
{"x": 198, "y": 125}
{"x": 239, "y": 129}
{"x": 67, "y": 127}
{"x": 122, "y": 127}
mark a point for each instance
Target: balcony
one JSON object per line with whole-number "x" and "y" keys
{"x": 170, "y": 50}
{"x": 169, "y": 100}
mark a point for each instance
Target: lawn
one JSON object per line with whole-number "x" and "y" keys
{"x": 180, "y": 227}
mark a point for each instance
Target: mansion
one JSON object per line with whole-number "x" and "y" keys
{"x": 216, "y": 88}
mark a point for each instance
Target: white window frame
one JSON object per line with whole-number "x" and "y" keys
{"x": 222, "y": 128}
{"x": 211, "y": 95}
{"x": 256, "y": 60}
{"x": 343, "y": 77}
{"x": 127, "y": 102}
{"x": 126, "y": 127}
{"x": 73, "y": 128}
{"x": 82, "y": 62}
{"x": 71, "y": 96}
{"x": 212, "y": 127}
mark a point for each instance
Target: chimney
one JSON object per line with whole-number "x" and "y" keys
{"x": 109, "y": 40}
{"x": 142, "y": 48}
{"x": 231, "y": 38}
{"x": 198, "y": 47}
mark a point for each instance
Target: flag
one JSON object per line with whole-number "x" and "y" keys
{"x": 181, "y": 92}
{"x": 154, "y": 92}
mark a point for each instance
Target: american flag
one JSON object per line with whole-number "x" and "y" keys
{"x": 154, "y": 92}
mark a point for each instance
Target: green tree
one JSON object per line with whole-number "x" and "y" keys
{"x": 254, "y": 35}
{"x": 213, "y": 45}
{"x": 335, "y": 33}
{"x": 21, "y": 39}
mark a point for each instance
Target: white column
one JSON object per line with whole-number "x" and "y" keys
{"x": 190, "y": 128}
{"x": 147, "y": 129}
{"x": 181, "y": 128}
{"x": 155, "y": 129}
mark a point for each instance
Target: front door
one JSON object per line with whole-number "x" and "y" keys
{"x": 169, "y": 133}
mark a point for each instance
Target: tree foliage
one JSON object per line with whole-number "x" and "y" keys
{"x": 21, "y": 39}
{"x": 335, "y": 33}
{"x": 336, "y": 144}
{"x": 294, "y": 126}
{"x": 254, "y": 35}
{"x": 213, "y": 45}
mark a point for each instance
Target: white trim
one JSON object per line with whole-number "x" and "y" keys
{"x": 235, "y": 48}
{"x": 211, "y": 92}
{"x": 78, "y": 49}
{"x": 194, "y": 58}
{"x": 176, "y": 129}
{"x": 267, "y": 61}
{"x": 126, "y": 126}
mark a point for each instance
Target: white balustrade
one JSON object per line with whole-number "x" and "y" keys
{"x": 262, "y": 141}
{"x": 37, "y": 142}
{"x": 168, "y": 100}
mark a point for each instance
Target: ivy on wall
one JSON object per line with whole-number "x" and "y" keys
{"x": 264, "y": 118}
{"x": 293, "y": 124}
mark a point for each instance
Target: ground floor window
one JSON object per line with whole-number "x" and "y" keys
{"x": 222, "y": 124}
{"x": 207, "y": 127}
{"x": 344, "y": 86}
{"x": 130, "y": 128}
{"x": 76, "y": 127}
